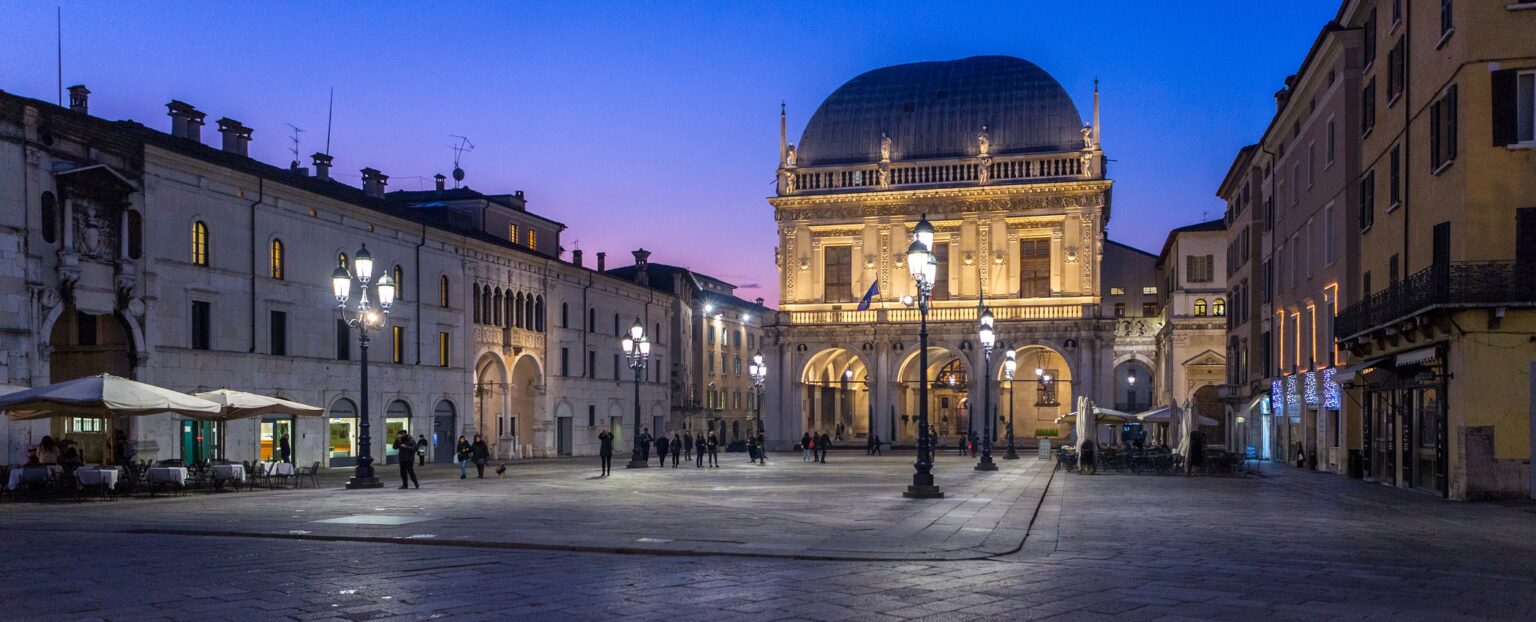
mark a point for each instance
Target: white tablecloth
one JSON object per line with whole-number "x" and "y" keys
{"x": 97, "y": 477}
{"x": 15, "y": 478}
{"x": 170, "y": 475}
{"x": 229, "y": 472}
{"x": 279, "y": 468}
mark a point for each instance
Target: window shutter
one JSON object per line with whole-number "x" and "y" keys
{"x": 1504, "y": 107}
{"x": 1451, "y": 120}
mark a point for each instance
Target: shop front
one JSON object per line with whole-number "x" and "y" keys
{"x": 1404, "y": 425}
{"x": 397, "y": 418}
{"x": 277, "y": 439}
{"x": 341, "y": 434}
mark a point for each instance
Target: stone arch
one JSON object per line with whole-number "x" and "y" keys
{"x": 835, "y": 392}
{"x": 1043, "y": 388}
{"x": 1133, "y": 386}
{"x": 948, "y": 402}
{"x": 524, "y": 390}
{"x": 490, "y": 397}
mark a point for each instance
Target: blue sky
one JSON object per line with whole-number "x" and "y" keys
{"x": 655, "y": 124}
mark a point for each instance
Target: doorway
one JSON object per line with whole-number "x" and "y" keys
{"x": 563, "y": 433}
{"x": 276, "y": 434}
{"x": 198, "y": 440}
{"x": 444, "y": 436}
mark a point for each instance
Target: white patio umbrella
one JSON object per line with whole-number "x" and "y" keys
{"x": 243, "y": 405}
{"x": 102, "y": 396}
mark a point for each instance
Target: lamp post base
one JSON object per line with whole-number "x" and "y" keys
{"x": 923, "y": 492}
{"x": 638, "y": 464}
{"x": 358, "y": 483}
{"x": 986, "y": 464}
{"x": 1011, "y": 455}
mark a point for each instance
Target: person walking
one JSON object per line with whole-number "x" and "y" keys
{"x": 462, "y": 452}
{"x": 805, "y": 447}
{"x": 605, "y": 451}
{"x": 661, "y": 451}
{"x": 687, "y": 447}
{"x": 714, "y": 445}
{"x": 677, "y": 444}
{"x": 822, "y": 445}
{"x": 877, "y": 444}
{"x": 645, "y": 444}
{"x": 698, "y": 446}
{"x": 480, "y": 453}
{"x": 421, "y": 449}
{"x": 285, "y": 449}
{"x": 405, "y": 447}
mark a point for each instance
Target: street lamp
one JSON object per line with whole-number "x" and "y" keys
{"x": 366, "y": 319}
{"x": 988, "y": 340}
{"x": 758, "y": 370}
{"x": 1010, "y": 366}
{"x": 636, "y": 350}
{"x": 924, "y": 267}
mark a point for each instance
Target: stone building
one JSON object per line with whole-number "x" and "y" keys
{"x": 995, "y": 154}
{"x": 160, "y": 258}
{"x": 1191, "y": 362}
{"x": 1246, "y": 391}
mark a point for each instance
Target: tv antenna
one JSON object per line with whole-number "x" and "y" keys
{"x": 459, "y": 149}
{"x": 295, "y": 148}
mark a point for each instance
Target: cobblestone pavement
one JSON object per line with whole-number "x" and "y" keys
{"x": 1291, "y": 545}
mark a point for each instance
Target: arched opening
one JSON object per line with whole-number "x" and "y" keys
{"x": 341, "y": 436}
{"x": 445, "y": 431}
{"x": 490, "y": 404}
{"x": 1133, "y": 387}
{"x": 518, "y": 312}
{"x": 835, "y": 394}
{"x": 496, "y": 308}
{"x": 948, "y": 380}
{"x": 86, "y": 345}
{"x": 1209, "y": 415}
{"x": 523, "y": 399}
{"x": 1042, "y": 391}
{"x": 397, "y": 417}
{"x": 536, "y": 311}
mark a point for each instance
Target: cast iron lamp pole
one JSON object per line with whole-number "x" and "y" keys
{"x": 366, "y": 319}
{"x": 988, "y": 339}
{"x": 924, "y": 268}
{"x": 1010, "y": 365}
{"x": 636, "y": 350}
{"x": 759, "y": 372}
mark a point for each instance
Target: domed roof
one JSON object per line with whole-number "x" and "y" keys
{"x": 936, "y": 109}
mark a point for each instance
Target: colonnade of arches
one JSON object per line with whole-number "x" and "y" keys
{"x": 507, "y": 308}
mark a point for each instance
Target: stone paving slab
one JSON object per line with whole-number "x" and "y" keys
{"x": 849, "y": 508}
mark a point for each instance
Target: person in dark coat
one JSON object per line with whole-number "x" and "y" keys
{"x": 805, "y": 447}
{"x": 713, "y": 444}
{"x": 687, "y": 447}
{"x": 605, "y": 451}
{"x": 645, "y": 444}
{"x": 698, "y": 445}
{"x": 285, "y": 449}
{"x": 481, "y": 454}
{"x": 821, "y": 446}
{"x": 405, "y": 446}
{"x": 421, "y": 449}
{"x": 661, "y": 450}
{"x": 677, "y": 449}
{"x": 463, "y": 451}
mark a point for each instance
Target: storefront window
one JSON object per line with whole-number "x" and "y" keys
{"x": 341, "y": 439}
{"x": 396, "y": 418}
{"x": 274, "y": 433}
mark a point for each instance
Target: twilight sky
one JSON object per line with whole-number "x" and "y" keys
{"x": 655, "y": 124}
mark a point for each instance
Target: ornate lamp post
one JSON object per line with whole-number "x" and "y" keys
{"x": 366, "y": 319}
{"x": 1010, "y": 365}
{"x": 988, "y": 338}
{"x": 637, "y": 349}
{"x": 924, "y": 268}
{"x": 758, "y": 370}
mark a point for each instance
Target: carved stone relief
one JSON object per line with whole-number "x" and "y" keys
{"x": 96, "y": 229}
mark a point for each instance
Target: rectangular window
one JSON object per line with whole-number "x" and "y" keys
{"x": 1296, "y": 252}
{"x": 1148, "y": 309}
{"x": 1525, "y": 107}
{"x": 1395, "y": 177}
{"x": 1306, "y": 245}
{"x": 1150, "y": 290}
{"x": 1368, "y": 107}
{"x": 1200, "y": 268}
{"x": 1328, "y": 146}
{"x": 1395, "y": 68}
{"x": 1442, "y": 130}
{"x": 1119, "y": 309}
{"x": 591, "y": 416}
{"x": 1035, "y": 268}
{"x": 201, "y": 315}
{"x": 1295, "y": 182}
{"x": 1392, "y": 270}
{"x": 1367, "y": 201}
{"x": 617, "y": 366}
{"x": 1369, "y": 28}
{"x": 442, "y": 349}
{"x": 533, "y": 239}
{"x": 1330, "y": 236}
{"x": 565, "y": 362}
{"x": 512, "y": 233}
{"x": 1116, "y": 291}
{"x": 343, "y": 340}
{"x": 1311, "y": 164}
{"x": 277, "y": 330}
{"x": 837, "y": 274}
{"x": 397, "y": 344}
{"x": 941, "y": 280}
{"x": 1446, "y": 24}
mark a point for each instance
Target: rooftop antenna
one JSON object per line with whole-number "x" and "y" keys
{"x": 459, "y": 148}
{"x": 295, "y": 149}
{"x": 330, "y": 108}
{"x": 59, "y": 30}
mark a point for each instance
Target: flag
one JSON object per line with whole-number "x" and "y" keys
{"x": 874, "y": 290}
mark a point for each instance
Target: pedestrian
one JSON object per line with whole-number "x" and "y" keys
{"x": 605, "y": 451}
{"x": 645, "y": 444}
{"x": 405, "y": 447}
{"x": 462, "y": 452}
{"x": 421, "y": 449}
{"x": 822, "y": 444}
{"x": 698, "y": 445}
{"x": 805, "y": 447}
{"x": 687, "y": 447}
{"x": 877, "y": 444}
{"x": 975, "y": 442}
{"x": 123, "y": 449}
{"x": 677, "y": 444}
{"x": 714, "y": 445}
{"x": 285, "y": 449}
{"x": 661, "y": 451}
{"x": 481, "y": 454}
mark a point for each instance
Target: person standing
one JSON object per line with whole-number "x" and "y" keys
{"x": 481, "y": 453}
{"x": 284, "y": 449}
{"x": 605, "y": 451}
{"x": 661, "y": 451}
{"x": 687, "y": 447}
{"x": 405, "y": 447}
{"x": 698, "y": 445}
{"x": 877, "y": 444}
{"x": 677, "y": 448}
{"x": 822, "y": 444}
{"x": 714, "y": 445}
{"x": 645, "y": 444}
{"x": 421, "y": 449}
{"x": 462, "y": 452}
{"x": 805, "y": 447}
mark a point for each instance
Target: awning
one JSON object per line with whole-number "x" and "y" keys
{"x": 1414, "y": 357}
{"x": 1349, "y": 372}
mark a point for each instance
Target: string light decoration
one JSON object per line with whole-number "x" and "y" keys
{"x": 1309, "y": 383}
{"x": 1331, "y": 388}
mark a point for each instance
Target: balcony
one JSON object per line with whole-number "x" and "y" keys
{"x": 966, "y": 313}
{"x": 1065, "y": 166}
{"x": 507, "y": 339}
{"x": 1454, "y": 285}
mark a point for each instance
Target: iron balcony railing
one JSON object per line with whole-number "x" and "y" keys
{"x": 1457, "y": 284}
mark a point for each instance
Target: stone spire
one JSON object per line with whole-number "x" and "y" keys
{"x": 783, "y": 137}
{"x": 1096, "y": 137}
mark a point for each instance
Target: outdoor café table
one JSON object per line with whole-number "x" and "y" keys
{"x": 278, "y": 469}
{"x": 227, "y": 472}
{"x": 97, "y": 477}
{"x": 168, "y": 475}
{"x": 16, "y": 474}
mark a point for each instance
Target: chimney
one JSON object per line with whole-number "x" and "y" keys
{"x": 374, "y": 183}
{"x": 78, "y": 95}
{"x": 1283, "y": 96}
{"x": 759, "y": 302}
{"x": 322, "y": 165}
{"x": 186, "y": 121}
{"x": 441, "y": 181}
{"x": 237, "y": 137}
{"x": 602, "y": 262}
{"x": 642, "y": 263}
{"x": 576, "y": 257}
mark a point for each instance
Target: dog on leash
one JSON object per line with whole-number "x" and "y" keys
{"x": 501, "y": 471}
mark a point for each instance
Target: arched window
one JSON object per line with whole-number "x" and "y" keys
{"x": 277, "y": 259}
{"x": 200, "y": 243}
{"x": 50, "y": 218}
{"x": 616, "y": 332}
{"x": 529, "y": 313}
{"x": 736, "y": 366}
{"x": 517, "y": 312}
{"x": 591, "y": 320}
{"x": 476, "y": 302}
{"x": 565, "y": 315}
{"x": 1219, "y": 307}
{"x": 135, "y": 234}
{"x": 538, "y": 309}
{"x": 496, "y": 308}
{"x": 656, "y": 336}
{"x": 510, "y": 307}
{"x": 442, "y": 291}
{"x": 399, "y": 275}
{"x": 1200, "y": 307}
{"x": 485, "y": 305}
